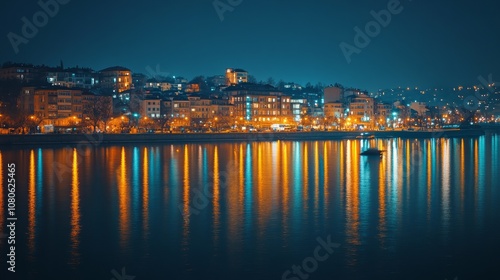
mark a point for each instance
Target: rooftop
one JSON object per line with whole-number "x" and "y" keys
{"x": 115, "y": 68}
{"x": 252, "y": 87}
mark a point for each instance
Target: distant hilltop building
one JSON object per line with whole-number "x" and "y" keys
{"x": 236, "y": 76}
{"x": 115, "y": 79}
{"x": 25, "y": 73}
{"x": 74, "y": 77}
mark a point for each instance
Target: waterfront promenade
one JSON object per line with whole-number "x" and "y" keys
{"x": 103, "y": 138}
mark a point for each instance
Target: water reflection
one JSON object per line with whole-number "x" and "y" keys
{"x": 382, "y": 224}
{"x": 186, "y": 199}
{"x": 2, "y": 202}
{"x": 75, "y": 212}
{"x": 123, "y": 199}
{"x": 265, "y": 198}
{"x": 145, "y": 193}
{"x": 32, "y": 205}
{"x": 216, "y": 197}
{"x": 352, "y": 200}
{"x": 446, "y": 173}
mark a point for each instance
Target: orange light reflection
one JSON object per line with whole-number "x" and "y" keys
{"x": 75, "y": 211}
{"x": 31, "y": 205}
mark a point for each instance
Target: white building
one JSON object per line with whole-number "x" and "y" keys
{"x": 151, "y": 108}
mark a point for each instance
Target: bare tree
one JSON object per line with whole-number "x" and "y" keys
{"x": 98, "y": 110}
{"x": 148, "y": 124}
{"x": 281, "y": 84}
{"x": 270, "y": 81}
{"x": 25, "y": 122}
{"x": 252, "y": 79}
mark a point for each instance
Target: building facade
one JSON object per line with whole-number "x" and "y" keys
{"x": 58, "y": 103}
{"x": 21, "y": 72}
{"x": 115, "y": 79}
{"x": 236, "y": 76}
{"x": 361, "y": 110}
{"x": 150, "y": 108}
{"x": 334, "y": 110}
{"x": 260, "y": 103}
{"x": 71, "y": 78}
{"x": 333, "y": 94}
{"x": 299, "y": 108}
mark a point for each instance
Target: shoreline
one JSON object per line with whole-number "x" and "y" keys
{"x": 102, "y": 138}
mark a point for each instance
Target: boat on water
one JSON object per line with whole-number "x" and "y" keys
{"x": 365, "y": 136}
{"x": 372, "y": 152}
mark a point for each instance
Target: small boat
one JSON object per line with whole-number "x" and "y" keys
{"x": 365, "y": 136}
{"x": 372, "y": 152}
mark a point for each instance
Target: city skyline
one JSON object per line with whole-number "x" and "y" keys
{"x": 404, "y": 51}
{"x": 116, "y": 99}
{"x": 156, "y": 73}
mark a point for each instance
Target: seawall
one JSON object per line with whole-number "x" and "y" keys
{"x": 95, "y": 139}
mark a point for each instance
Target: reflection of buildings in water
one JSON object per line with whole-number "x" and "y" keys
{"x": 75, "y": 211}
{"x": 285, "y": 194}
{"x": 216, "y": 196}
{"x": 248, "y": 193}
{"x": 479, "y": 178}
{"x": 145, "y": 192}
{"x": 445, "y": 182}
{"x": 429, "y": 180}
{"x": 316, "y": 182}
{"x": 327, "y": 148}
{"x": 123, "y": 199}
{"x": 32, "y": 205}
{"x": 186, "y": 198}
{"x": 461, "y": 171}
{"x": 281, "y": 185}
{"x": 258, "y": 184}
{"x": 305, "y": 175}
{"x": 2, "y": 202}
{"x": 352, "y": 195}
{"x": 408, "y": 148}
{"x": 382, "y": 203}
{"x": 298, "y": 173}
{"x": 235, "y": 189}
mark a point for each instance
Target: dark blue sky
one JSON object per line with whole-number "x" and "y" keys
{"x": 429, "y": 44}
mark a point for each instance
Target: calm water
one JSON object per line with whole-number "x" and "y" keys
{"x": 429, "y": 209}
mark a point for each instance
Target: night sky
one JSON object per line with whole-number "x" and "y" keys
{"x": 428, "y": 44}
